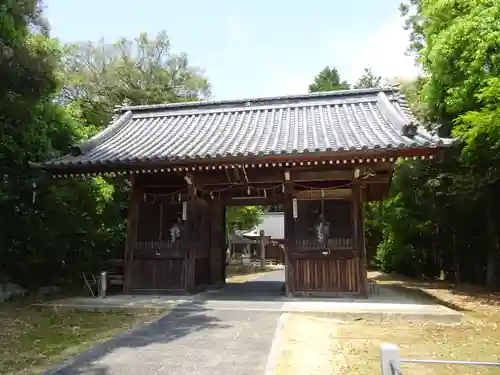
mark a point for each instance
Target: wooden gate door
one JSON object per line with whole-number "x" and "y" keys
{"x": 156, "y": 269}
{"x": 325, "y": 261}
{"x": 158, "y": 262}
{"x": 326, "y": 272}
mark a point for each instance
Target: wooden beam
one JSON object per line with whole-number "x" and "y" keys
{"x": 276, "y": 176}
{"x": 304, "y": 176}
{"x": 323, "y": 194}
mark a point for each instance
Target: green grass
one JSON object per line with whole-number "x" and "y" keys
{"x": 32, "y": 339}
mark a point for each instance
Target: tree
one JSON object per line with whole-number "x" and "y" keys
{"x": 98, "y": 77}
{"x": 442, "y": 217}
{"x": 243, "y": 218}
{"x": 328, "y": 80}
{"x": 47, "y": 228}
{"x": 101, "y": 76}
{"x": 55, "y": 230}
{"x": 368, "y": 80}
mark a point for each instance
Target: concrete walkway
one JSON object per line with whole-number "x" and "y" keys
{"x": 228, "y": 331}
{"x": 185, "y": 343}
{"x": 189, "y": 341}
{"x": 264, "y": 294}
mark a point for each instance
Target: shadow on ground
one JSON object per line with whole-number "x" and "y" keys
{"x": 213, "y": 336}
{"x": 462, "y": 292}
{"x": 267, "y": 287}
{"x": 218, "y": 335}
{"x": 177, "y": 324}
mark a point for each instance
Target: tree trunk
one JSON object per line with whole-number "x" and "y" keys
{"x": 492, "y": 265}
{"x": 455, "y": 258}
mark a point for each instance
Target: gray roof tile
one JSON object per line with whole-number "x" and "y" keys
{"x": 367, "y": 119}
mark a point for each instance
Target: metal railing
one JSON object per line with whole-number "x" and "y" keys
{"x": 390, "y": 361}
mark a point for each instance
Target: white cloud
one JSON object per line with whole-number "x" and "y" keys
{"x": 235, "y": 29}
{"x": 384, "y": 52}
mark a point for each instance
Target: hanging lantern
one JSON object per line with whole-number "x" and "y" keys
{"x": 184, "y": 210}
{"x": 33, "y": 185}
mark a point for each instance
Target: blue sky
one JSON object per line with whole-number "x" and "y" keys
{"x": 257, "y": 48}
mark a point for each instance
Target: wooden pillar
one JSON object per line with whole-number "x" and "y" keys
{"x": 217, "y": 248}
{"x": 262, "y": 245}
{"x": 362, "y": 259}
{"x": 131, "y": 241}
{"x": 289, "y": 239}
{"x": 358, "y": 235}
{"x": 187, "y": 241}
{"x": 224, "y": 241}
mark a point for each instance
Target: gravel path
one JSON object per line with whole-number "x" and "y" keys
{"x": 191, "y": 341}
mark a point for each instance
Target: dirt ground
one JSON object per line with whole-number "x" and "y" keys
{"x": 322, "y": 346}
{"x": 464, "y": 297}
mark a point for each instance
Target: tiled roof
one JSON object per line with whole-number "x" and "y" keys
{"x": 366, "y": 119}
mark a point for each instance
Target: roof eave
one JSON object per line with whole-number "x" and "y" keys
{"x": 257, "y": 160}
{"x": 105, "y": 134}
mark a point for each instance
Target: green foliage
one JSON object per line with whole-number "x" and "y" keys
{"x": 328, "y": 80}
{"x": 242, "y": 218}
{"x": 44, "y": 225}
{"x": 443, "y": 217}
{"x": 368, "y": 80}
{"x": 51, "y": 97}
{"x": 101, "y": 76}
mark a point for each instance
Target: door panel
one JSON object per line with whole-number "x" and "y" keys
{"x": 327, "y": 275}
